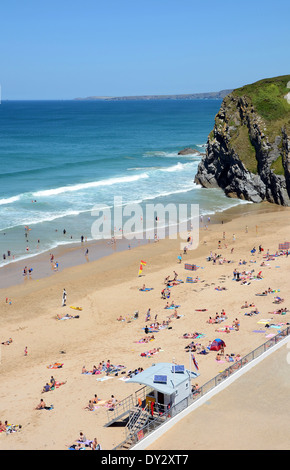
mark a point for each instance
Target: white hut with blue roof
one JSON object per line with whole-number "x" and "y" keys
{"x": 168, "y": 384}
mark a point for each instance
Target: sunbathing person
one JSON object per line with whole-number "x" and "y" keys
{"x": 150, "y": 352}
{"x": 95, "y": 445}
{"x": 190, "y": 335}
{"x": 95, "y": 399}
{"x": 67, "y": 315}
{"x": 41, "y": 405}
{"x": 2, "y": 427}
{"x": 112, "y": 402}
{"x": 90, "y": 406}
{"x": 191, "y": 346}
{"x": 146, "y": 339}
{"x": 211, "y": 320}
{"x": 46, "y": 388}
{"x": 246, "y": 305}
{"x": 218, "y": 319}
{"x": 236, "y": 324}
{"x": 229, "y": 358}
{"x": 195, "y": 389}
{"x": 6, "y": 343}
{"x": 202, "y": 350}
{"x": 281, "y": 311}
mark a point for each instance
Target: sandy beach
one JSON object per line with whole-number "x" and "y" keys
{"x": 108, "y": 288}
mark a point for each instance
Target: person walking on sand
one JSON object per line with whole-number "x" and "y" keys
{"x": 64, "y": 298}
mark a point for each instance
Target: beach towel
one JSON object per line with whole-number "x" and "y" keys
{"x": 150, "y": 330}
{"x": 141, "y": 341}
{"x": 68, "y": 317}
{"x": 56, "y": 365}
{"x": 146, "y": 289}
{"x": 224, "y": 329}
{"x": 193, "y": 336}
{"x": 149, "y": 353}
{"x": 103, "y": 379}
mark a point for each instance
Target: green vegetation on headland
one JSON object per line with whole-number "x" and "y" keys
{"x": 266, "y": 102}
{"x": 268, "y": 97}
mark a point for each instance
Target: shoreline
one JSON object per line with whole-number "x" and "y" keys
{"x": 73, "y": 254}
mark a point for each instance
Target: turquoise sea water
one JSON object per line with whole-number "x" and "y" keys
{"x": 60, "y": 158}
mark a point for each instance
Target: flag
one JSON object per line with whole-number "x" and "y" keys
{"x": 142, "y": 263}
{"x": 194, "y": 361}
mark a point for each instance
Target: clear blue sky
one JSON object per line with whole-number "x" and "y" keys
{"x": 69, "y": 48}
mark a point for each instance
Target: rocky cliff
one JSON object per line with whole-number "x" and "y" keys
{"x": 247, "y": 151}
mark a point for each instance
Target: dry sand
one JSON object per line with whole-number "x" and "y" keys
{"x": 108, "y": 288}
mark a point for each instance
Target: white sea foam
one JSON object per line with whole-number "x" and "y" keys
{"x": 9, "y": 200}
{"x": 92, "y": 184}
{"x": 178, "y": 167}
{"x": 169, "y": 154}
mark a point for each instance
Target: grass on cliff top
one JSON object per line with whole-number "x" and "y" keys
{"x": 268, "y": 98}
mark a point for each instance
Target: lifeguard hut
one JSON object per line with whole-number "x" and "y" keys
{"x": 167, "y": 384}
{"x": 165, "y": 392}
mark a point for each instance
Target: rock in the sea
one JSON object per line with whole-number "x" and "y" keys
{"x": 189, "y": 151}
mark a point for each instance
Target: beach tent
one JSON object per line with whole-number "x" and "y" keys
{"x": 217, "y": 344}
{"x": 284, "y": 246}
{"x": 190, "y": 267}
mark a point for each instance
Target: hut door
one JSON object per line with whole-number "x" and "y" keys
{"x": 160, "y": 398}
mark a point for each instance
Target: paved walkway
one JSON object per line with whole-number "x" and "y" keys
{"x": 250, "y": 414}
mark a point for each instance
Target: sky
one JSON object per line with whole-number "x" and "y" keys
{"x": 68, "y": 48}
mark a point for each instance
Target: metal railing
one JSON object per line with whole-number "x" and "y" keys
{"x": 176, "y": 409}
{"x": 121, "y": 408}
{"x": 124, "y": 406}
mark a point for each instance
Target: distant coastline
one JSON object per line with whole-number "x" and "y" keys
{"x": 215, "y": 95}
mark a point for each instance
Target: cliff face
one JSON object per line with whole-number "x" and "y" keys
{"x": 248, "y": 150}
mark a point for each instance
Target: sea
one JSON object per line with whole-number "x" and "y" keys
{"x": 62, "y": 159}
